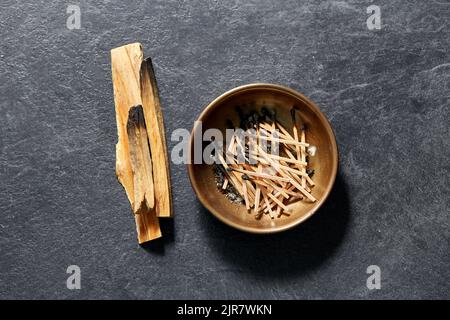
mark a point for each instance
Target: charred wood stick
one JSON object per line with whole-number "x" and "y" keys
{"x": 141, "y": 162}
{"x": 157, "y": 139}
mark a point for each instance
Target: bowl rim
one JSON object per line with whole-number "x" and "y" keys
{"x": 328, "y": 128}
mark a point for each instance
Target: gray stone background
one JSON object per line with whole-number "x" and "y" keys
{"x": 385, "y": 92}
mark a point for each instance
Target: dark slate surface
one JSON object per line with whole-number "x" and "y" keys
{"x": 385, "y": 92}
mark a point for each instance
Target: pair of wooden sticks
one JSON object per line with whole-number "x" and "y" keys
{"x": 269, "y": 182}
{"x": 142, "y": 164}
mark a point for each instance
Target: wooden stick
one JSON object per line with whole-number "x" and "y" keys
{"x": 157, "y": 139}
{"x": 294, "y": 128}
{"x": 125, "y": 63}
{"x": 278, "y": 212}
{"x": 147, "y": 226}
{"x": 261, "y": 175}
{"x": 285, "y": 132}
{"x": 303, "y": 190}
{"x": 231, "y": 148}
{"x": 304, "y": 174}
{"x": 257, "y": 193}
{"x": 279, "y": 158}
{"x": 285, "y": 141}
{"x": 290, "y": 190}
{"x": 268, "y": 131}
{"x": 225, "y": 183}
{"x": 257, "y": 199}
{"x": 295, "y": 161}
{"x": 298, "y": 172}
{"x": 278, "y": 202}
{"x": 141, "y": 163}
{"x": 236, "y": 184}
{"x": 284, "y": 213}
{"x": 282, "y": 191}
{"x": 303, "y": 158}
{"x": 266, "y": 200}
{"x": 244, "y": 189}
{"x": 251, "y": 190}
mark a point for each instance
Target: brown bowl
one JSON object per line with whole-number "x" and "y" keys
{"x": 282, "y": 99}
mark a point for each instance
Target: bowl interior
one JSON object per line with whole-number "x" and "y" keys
{"x": 319, "y": 134}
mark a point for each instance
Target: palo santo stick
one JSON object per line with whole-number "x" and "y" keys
{"x": 141, "y": 163}
{"x": 147, "y": 226}
{"x": 126, "y": 64}
{"x": 157, "y": 139}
